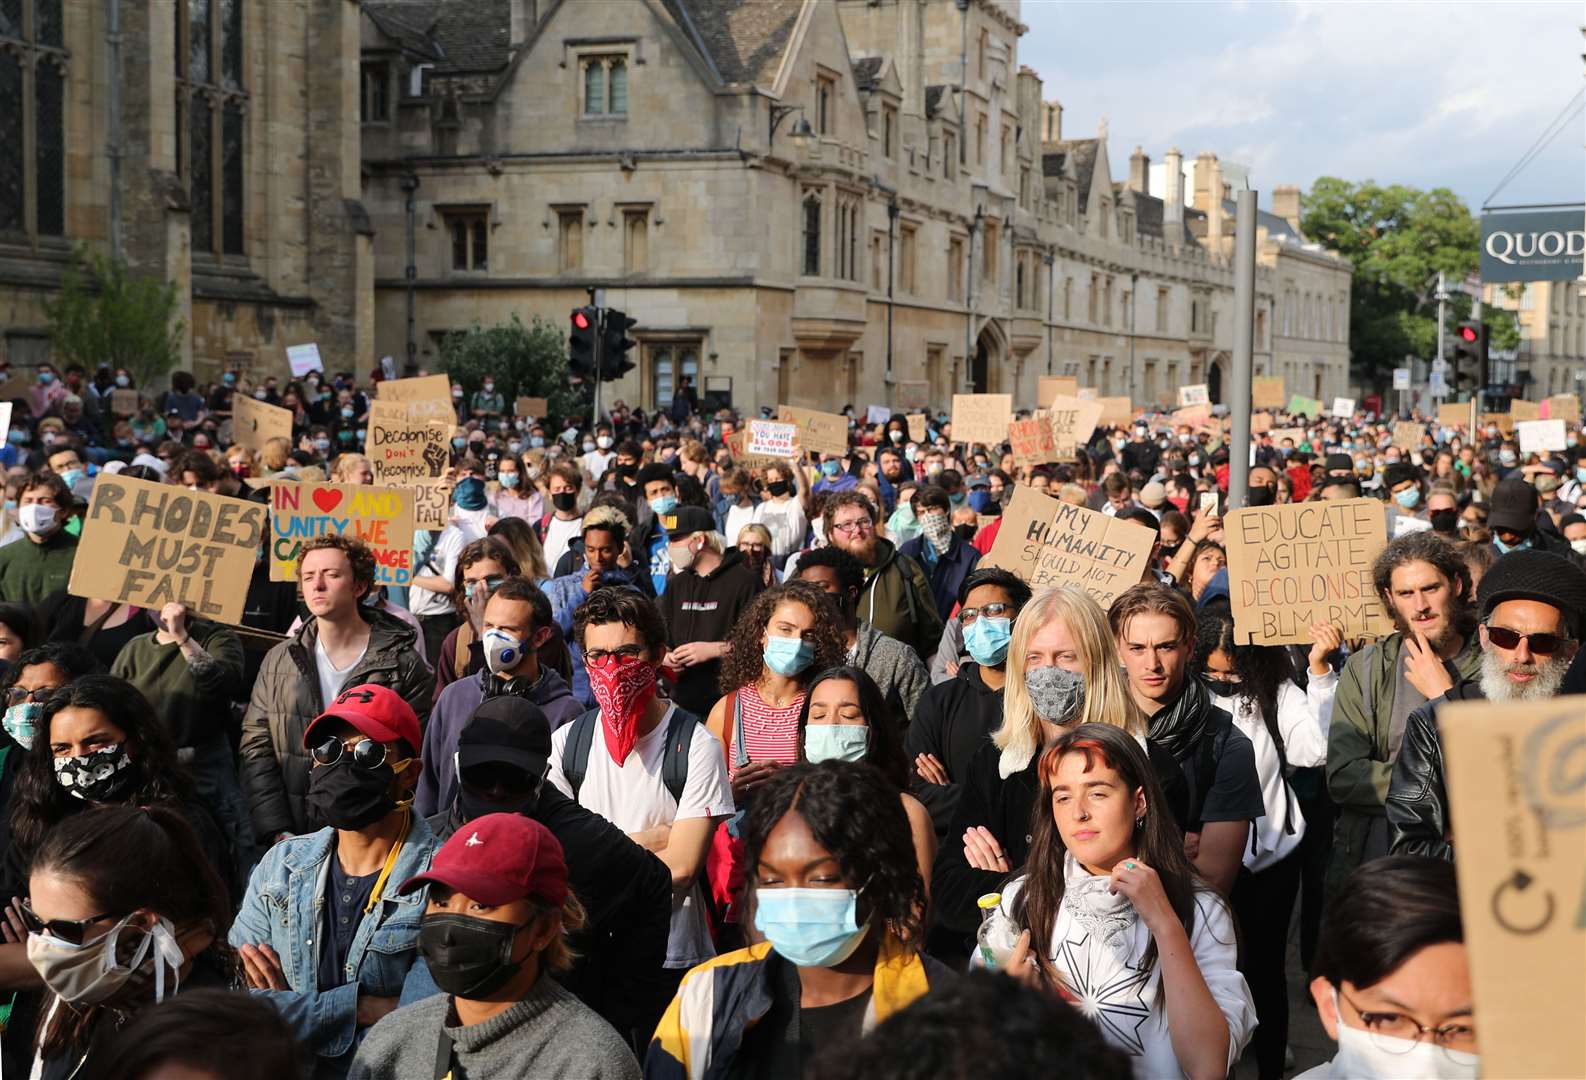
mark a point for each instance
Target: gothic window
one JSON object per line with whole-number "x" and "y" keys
{"x": 376, "y": 92}
{"x": 812, "y": 234}
{"x": 825, "y": 106}
{"x": 570, "y": 240}
{"x": 33, "y": 61}
{"x": 469, "y": 232}
{"x": 211, "y": 111}
{"x": 668, "y": 361}
{"x": 605, "y": 85}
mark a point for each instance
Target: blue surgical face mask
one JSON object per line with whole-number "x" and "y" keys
{"x": 987, "y": 640}
{"x": 71, "y": 476}
{"x": 508, "y": 479}
{"x": 810, "y": 927}
{"x": 663, "y": 504}
{"x": 836, "y": 742}
{"x": 21, "y": 722}
{"x": 459, "y": 443}
{"x": 1580, "y": 474}
{"x": 537, "y": 441}
{"x": 17, "y": 435}
{"x": 788, "y": 656}
{"x": 1408, "y": 498}
{"x": 831, "y": 468}
{"x": 1504, "y": 549}
{"x": 1507, "y": 458}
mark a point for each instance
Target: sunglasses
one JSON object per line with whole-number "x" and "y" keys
{"x": 1541, "y": 644}
{"x": 71, "y": 931}
{"x": 366, "y": 753}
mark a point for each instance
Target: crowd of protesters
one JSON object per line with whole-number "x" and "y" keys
{"x": 671, "y": 764}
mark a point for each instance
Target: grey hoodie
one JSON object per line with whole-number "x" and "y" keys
{"x": 896, "y": 670}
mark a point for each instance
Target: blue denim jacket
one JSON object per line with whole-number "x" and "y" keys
{"x": 284, "y": 908}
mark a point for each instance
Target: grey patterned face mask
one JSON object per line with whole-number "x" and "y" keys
{"x": 97, "y": 776}
{"x": 1056, "y": 694}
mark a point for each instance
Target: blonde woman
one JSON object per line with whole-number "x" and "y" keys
{"x": 1062, "y": 670}
{"x": 275, "y": 455}
{"x": 353, "y": 469}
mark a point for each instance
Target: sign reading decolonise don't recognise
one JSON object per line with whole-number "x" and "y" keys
{"x": 1532, "y": 245}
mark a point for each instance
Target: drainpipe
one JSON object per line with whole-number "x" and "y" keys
{"x": 963, "y": 77}
{"x": 113, "y": 134}
{"x": 969, "y": 296}
{"x": 892, "y": 262}
{"x": 410, "y": 185}
{"x": 1050, "y": 260}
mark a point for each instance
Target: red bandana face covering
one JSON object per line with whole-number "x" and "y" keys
{"x": 623, "y": 687}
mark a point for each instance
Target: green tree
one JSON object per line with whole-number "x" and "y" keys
{"x": 107, "y": 315}
{"x": 524, "y": 361}
{"x": 1398, "y": 238}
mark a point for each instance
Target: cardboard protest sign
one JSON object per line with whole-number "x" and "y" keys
{"x": 1564, "y": 407}
{"x": 1267, "y": 392}
{"x": 1088, "y": 393}
{"x": 1518, "y": 801}
{"x": 1073, "y": 423}
{"x": 911, "y": 395}
{"x": 772, "y": 439}
{"x": 418, "y": 388}
{"x": 1194, "y": 394}
{"x": 1525, "y": 410}
{"x": 1260, "y": 423}
{"x": 1302, "y": 563}
{"x": 152, "y": 544}
{"x": 1046, "y": 542}
{"x": 1454, "y": 414}
{"x": 877, "y": 414}
{"x": 1277, "y": 435}
{"x": 1197, "y": 416}
{"x": 253, "y": 422}
{"x": 1343, "y": 408}
{"x": 1502, "y": 421}
{"x": 1300, "y": 405}
{"x": 735, "y": 447}
{"x": 917, "y": 423}
{"x": 819, "y": 432}
{"x": 1537, "y": 436}
{"x": 381, "y": 517}
{"x": 1031, "y": 441}
{"x": 1116, "y": 411}
{"x": 1407, "y": 435}
{"x": 5, "y": 416}
{"x": 537, "y": 407}
{"x": 303, "y": 358}
{"x": 1050, "y": 387}
{"x": 125, "y": 402}
{"x": 403, "y": 450}
{"x": 981, "y": 418}
{"x": 432, "y": 503}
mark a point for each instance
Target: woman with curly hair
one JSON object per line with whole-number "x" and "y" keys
{"x": 839, "y": 903}
{"x": 789, "y": 633}
{"x": 1110, "y": 913}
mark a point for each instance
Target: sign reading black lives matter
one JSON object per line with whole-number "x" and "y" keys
{"x": 152, "y": 544}
{"x": 1048, "y": 543}
{"x": 1534, "y": 245}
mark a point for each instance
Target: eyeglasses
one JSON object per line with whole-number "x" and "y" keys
{"x": 1541, "y": 644}
{"x": 70, "y": 931}
{"x": 366, "y": 753}
{"x": 605, "y": 657}
{"x": 968, "y": 615}
{"x": 858, "y": 525}
{"x": 1395, "y": 1033}
{"x": 16, "y": 695}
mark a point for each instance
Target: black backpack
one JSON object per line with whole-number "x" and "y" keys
{"x": 674, "y": 764}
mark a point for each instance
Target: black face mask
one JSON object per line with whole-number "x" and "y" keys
{"x": 344, "y": 796}
{"x": 966, "y": 533}
{"x": 627, "y": 471}
{"x": 469, "y": 957}
{"x": 777, "y": 488}
{"x": 1170, "y": 550}
{"x": 1445, "y": 521}
{"x": 471, "y": 804}
{"x": 1261, "y": 496}
{"x": 565, "y": 501}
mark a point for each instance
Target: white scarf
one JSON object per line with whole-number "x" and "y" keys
{"x": 1097, "y": 947}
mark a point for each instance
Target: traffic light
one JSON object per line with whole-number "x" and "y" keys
{"x": 1470, "y": 354}
{"x": 583, "y": 342}
{"x": 614, "y": 362}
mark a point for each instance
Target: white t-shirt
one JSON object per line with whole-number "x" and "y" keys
{"x": 465, "y": 528}
{"x": 558, "y": 534}
{"x": 786, "y": 523}
{"x": 596, "y": 462}
{"x": 634, "y": 797}
{"x": 330, "y": 677}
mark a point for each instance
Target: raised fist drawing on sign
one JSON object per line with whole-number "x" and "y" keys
{"x": 435, "y": 458}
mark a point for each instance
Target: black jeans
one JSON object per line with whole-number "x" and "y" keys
{"x": 1263, "y": 903}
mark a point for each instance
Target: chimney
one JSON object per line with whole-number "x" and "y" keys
{"x": 910, "y": 58}
{"x": 1214, "y": 211}
{"x": 1139, "y": 172}
{"x": 1173, "y": 196}
{"x": 1205, "y": 167}
{"x": 1286, "y": 204}
{"x": 1051, "y": 123}
{"x": 524, "y": 18}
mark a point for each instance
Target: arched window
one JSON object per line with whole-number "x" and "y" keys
{"x": 211, "y": 106}
{"x": 33, "y": 61}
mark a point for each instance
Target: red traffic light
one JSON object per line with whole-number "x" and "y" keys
{"x": 580, "y": 321}
{"x": 1467, "y": 334}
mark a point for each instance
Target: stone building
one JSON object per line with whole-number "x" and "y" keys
{"x": 237, "y": 175}
{"x": 1551, "y": 317}
{"x": 805, "y": 202}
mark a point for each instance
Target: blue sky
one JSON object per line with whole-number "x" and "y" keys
{"x": 1426, "y": 94}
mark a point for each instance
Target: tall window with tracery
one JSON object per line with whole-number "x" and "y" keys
{"x": 33, "y": 60}
{"x": 211, "y": 112}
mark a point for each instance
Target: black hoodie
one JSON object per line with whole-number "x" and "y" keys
{"x": 954, "y": 718}
{"x": 706, "y": 609}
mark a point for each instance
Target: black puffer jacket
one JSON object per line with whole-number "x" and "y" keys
{"x": 286, "y": 700}
{"x": 1417, "y": 805}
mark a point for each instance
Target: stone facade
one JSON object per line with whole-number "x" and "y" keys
{"x": 1551, "y": 315}
{"x": 290, "y": 257}
{"x": 864, "y": 264}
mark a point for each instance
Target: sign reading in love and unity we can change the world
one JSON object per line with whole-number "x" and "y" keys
{"x": 382, "y": 517}
{"x": 1047, "y": 542}
{"x": 1303, "y": 563}
{"x": 152, "y": 544}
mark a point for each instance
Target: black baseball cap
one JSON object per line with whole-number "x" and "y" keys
{"x": 688, "y": 520}
{"x": 506, "y": 728}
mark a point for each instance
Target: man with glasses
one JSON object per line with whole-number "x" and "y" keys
{"x": 1532, "y": 604}
{"x": 896, "y": 598}
{"x": 327, "y": 907}
{"x": 516, "y": 623}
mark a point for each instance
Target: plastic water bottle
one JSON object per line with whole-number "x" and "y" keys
{"x": 997, "y": 935}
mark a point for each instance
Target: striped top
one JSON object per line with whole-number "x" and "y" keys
{"x": 767, "y": 733}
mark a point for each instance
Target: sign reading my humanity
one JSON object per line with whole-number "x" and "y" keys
{"x": 1056, "y": 543}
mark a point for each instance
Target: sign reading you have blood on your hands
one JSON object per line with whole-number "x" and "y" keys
{"x": 152, "y": 544}
{"x": 1047, "y": 543}
{"x": 382, "y": 517}
{"x": 1303, "y": 563}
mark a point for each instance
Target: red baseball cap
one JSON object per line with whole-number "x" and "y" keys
{"x": 377, "y": 712}
{"x": 499, "y": 858}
